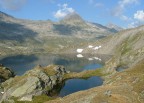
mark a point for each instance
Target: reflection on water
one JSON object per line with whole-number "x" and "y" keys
{"x": 21, "y": 63}
{"x": 74, "y": 85}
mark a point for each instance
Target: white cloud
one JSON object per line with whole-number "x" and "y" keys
{"x": 12, "y": 4}
{"x": 138, "y": 19}
{"x": 139, "y": 15}
{"x": 125, "y": 18}
{"x": 63, "y": 11}
{"x": 99, "y": 4}
{"x": 133, "y": 24}
{"x": 96, "y": 4}
{"x": 122, "y": 4}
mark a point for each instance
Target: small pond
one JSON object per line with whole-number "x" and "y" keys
{"x": 74, "y": 85}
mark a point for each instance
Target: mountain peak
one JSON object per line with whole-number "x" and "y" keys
{"x": 73, "y": 15}
{"x": 113, "y": 26}
{"x": 72, "y": 18}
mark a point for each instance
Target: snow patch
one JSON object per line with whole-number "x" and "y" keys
{"x": 90, "y": 46}
{"x": 2, "y": 92}
{"x": 90, "y": 59}
{"x": 97, "y": 47}
{"x": 100, "y": 46}
{"x": 80, "y": 56}
{"x": 97, "y": 58}
{"x": 79, "y": 50}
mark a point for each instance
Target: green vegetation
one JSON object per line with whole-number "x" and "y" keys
{"x": 84, "y": 74}
{"x": 36, "y": 99}
{"x": 49, "y": 70}
{"x": 137, "y": 72}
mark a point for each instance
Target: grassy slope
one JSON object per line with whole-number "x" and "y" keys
{"x": 128, "y": 53}
{"x": 123, "y": 87}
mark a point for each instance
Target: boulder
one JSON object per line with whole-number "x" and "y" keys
{"x": 31, "y": 84}
{"x": 37, "y": 81}
{"x": 5, "y": 73}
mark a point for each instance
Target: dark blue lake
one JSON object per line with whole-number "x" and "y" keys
{"x": 21, "y": 63}
{"x": 74, "y": 85}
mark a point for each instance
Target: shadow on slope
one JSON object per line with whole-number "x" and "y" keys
{"x": 65, "y": 29}
{"x": 19, "y": 59}
{"x": 15, "y": 31}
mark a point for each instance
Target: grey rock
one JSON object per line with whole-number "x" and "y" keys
{"x": 108, "y": 92}
{"x": 30, "y": 85}
{"x": 33, "y": 83}
{"x": 5, "y": 73}
{"x": 26, "y": 98}
{"x": 53, "y": 79}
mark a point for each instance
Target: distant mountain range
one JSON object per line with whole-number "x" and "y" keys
{"x": 19, "y": 34}
{"x": 71, "y": 25}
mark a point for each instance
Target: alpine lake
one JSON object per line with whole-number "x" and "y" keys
{"x": 72, "y": 62}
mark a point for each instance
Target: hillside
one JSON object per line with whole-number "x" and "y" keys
{"x": 126, "y": 47}
{"x": 124, "y": 86}
{"x": 27, "y": 36}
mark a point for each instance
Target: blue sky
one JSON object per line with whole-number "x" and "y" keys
{"x": 124, "y": 13}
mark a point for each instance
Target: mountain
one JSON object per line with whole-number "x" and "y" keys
{"x": 5, "y": 16}
{"x": 104, "y": 28}
{"x": 113, "y": 26}
{"x": 20, "y": 35}
{"x": 72, "y": 18}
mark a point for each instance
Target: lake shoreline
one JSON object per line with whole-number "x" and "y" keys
{"x": 65, "y": 77}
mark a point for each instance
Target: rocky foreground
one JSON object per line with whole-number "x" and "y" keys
{"x": 36, "y": 82}
{"x": 5, "y": 73}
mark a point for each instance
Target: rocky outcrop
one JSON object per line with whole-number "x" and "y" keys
{"x": 37, "y": 81}
{"x": 5, "y": 73}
